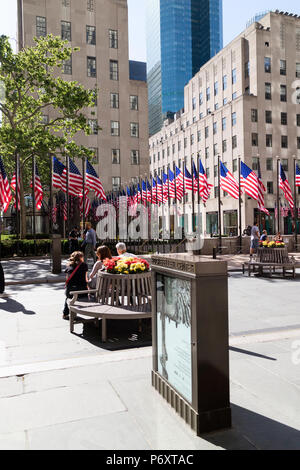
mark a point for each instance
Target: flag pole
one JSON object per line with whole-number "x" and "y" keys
{"x": 51, "y": 197}
{"x": 83, "y": 185}
{"x": 198, "y": 197}
{"x": 184, "y": 168}
{"x": 193, "y": 196}
{"x": 219, "y": 205}
{"x": 17, "y": 196}
{"x": 278, "y": 195}
{"x": 240, "y": 207}
{"x": 66, "y": 225}
{"x": 33, "y": 203}
{"x": 295, "y": 204}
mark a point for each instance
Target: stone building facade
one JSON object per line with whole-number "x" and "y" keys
{"x": 244, "y": 104}
{"x": 100, "y": 29}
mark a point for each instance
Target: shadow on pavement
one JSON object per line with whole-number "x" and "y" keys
{"x": 250, "y": 353}
{"x": 251, "y": 430}
{"x": 12, "y": 306}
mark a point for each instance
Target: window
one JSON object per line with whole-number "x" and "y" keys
{"x": 134, "y": 129}
{"x": 269, "y": 164}
{"x": 234, "y": 96}
{"x": 298, "y": 143}
{"x": 115, "y": 128}
{"x": 215, "y": 150}
{"x": 268, "y": 91}
{"x": 194, "y": 103}
{"x": 135, "y": 157}
{"x": 284, "y": 141}
{"x": 91, "y": 35}
{"x": 224, "y": 123}
{"x": 224, "y": 82}
{"x": 41, "y": 26}
{"x": 114, "y": 100}
{"x": 199, "y": 136}
{"x": 215, "y": 128}
{"x": 267, "y": 65}
{"x": 115, "y": 156}
{"x": 215, "y": 171}
{"x": 269, "y": 140}
{"x": 235, "y": 165}
{"x": 283, "y": 67}
{"x": 298, "y": 119}
{"x": 216, "y": 191}
{"x": 255, "y": 163}
{"x": 66, "y": 31}
{"x": 207, "y": 152}
{"x": 224, "y": 146}
{"x": 134, "y": 102}
{"x": 285, "y": 164}
{"x": 113, "y": 39}
{"x": 233, "y": 119}
{"x": 201, "y": 98}
{"x": 283, "y": 93}
{"x": 225, "y": 101}
{"x": 254, "y": 115}
{"x": 247, "y": 69}
{"x": 185, "y": 142}
{"x": 270, "y": 187}
{"x": 216, "y": 106}
{"x": 67, "y": 66}
{"x": 254, "y": 140}
{"x": 91, "y": 67}
{"x": 116, "y": 183}
{"x": 95, "y": 158}
{"x": 284, "y": 119}
{"x": 65, "y": 3}
{"x": 206, "y": 132}
{"x": 173, "y": 149}
{"x": 208, "y": 94}
{"x": 269, "y": 117}
{"x": 234, "y": 142}
{"x": 216, "y": 88}
{"x": 114, "y": 69}
{"x": 207, "y": 172}
{"x": 234, "y": 76}
{"x": 90, "y": 5}
{"x": 298, "y": 70}
{"x": 192, "y": 139}
{"x": 93, "y": 123}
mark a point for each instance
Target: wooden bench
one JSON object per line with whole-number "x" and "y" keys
{"x": 116, "y": 297}
{"x": 286, "y": 268}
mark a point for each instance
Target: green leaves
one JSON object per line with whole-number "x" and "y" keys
{"x": 33, "y": 89}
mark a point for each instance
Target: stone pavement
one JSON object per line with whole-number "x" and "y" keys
{"x": 63, "y": 391}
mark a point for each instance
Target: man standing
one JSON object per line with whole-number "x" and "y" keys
{"x": 254, "y": 240}
{"x": 90, "y": 243}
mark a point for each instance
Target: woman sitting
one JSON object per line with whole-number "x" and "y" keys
{"x": 77, "y": 278}
{"x": 264, "y": 237}
{"x": 279, "y": 238}
{"x": 103, "y": 253}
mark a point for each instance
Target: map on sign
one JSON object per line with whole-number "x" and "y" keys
{"x": 174, "y": 333}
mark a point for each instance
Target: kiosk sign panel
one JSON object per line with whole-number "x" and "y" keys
{"x": 174, "y": 345}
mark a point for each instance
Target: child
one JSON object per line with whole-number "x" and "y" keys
{"x": 77, "y": 278}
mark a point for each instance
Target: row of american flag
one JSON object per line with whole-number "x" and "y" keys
{"x": 173, "y": 185}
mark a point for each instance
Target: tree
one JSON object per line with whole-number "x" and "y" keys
{"x": 32, "y": 88}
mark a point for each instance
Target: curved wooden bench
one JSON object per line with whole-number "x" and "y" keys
{"x": 116, "y": 297}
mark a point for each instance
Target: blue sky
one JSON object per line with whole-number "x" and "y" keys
{"x": 236, "y": 15}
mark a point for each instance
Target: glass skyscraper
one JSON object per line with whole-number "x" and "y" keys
{"x": 182, "y": 35}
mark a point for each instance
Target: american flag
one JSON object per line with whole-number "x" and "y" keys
{"x": 195, "y": 178}
{"x": 179, "y": 184}
{"x": 171, "y": 184}
{"x": 297, "y": 175}
{"x": 204, "y": 187}
{"x": 249, "y": 181}
{"x": 188, "y": 180}
{"x": 159, "y": 189}
{"x": 139, "y": 194}
{"x": 261, "y": 192}
{"x": 144, "y": 191}
{"x": 93, "y": 182}
{"x": 57, "y": 176}
{"x": 75, "y": 179}
{"x": 5, "y": 193}
{"x": 87, "y": 203}
{"x": 165, "y": 188}
{"x": 38, "y": 190}
{"x": 285, "y": 186}
{"x": 149, "y": 192}
{"x": 153, "y": 191}
{"x": 228, "y": 183}
{"x": 13, "y": 187}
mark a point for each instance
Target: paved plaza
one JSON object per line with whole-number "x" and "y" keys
{"x": 63, "y": 391}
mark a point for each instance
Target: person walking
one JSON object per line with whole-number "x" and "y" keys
{"x": 90, "y": 243}
{"x": 255, "y": 236}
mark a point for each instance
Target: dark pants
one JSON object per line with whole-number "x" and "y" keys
{"x": 89, "y": 251}
{"x": 73, "y": 246}
{"x": 2, "y": 281}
